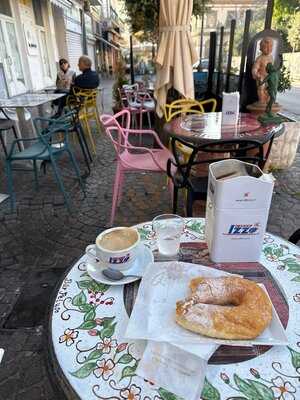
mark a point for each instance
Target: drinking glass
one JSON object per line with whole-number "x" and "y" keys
{"x": 168, "y": 229}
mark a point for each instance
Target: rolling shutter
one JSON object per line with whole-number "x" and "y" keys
{"x": 74, "y": 43}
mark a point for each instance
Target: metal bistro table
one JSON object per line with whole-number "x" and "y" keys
{"x": 28, "y": 100}
{"x": 91, "y": 360}
{"x": 209, "y": 127}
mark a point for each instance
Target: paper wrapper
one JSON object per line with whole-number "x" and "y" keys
{"x": 173, "y": 369}
{"x": 153, "y": 315}
{"x": 162, "y": 286}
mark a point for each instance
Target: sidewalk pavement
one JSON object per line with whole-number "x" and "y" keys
{"x": 41, "y": 240}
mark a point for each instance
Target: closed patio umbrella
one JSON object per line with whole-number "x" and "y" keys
{"x": 176, "y": 53}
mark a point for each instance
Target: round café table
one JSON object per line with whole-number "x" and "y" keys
{"x": 209, "y": 127}
{"x": 91, "y": 359}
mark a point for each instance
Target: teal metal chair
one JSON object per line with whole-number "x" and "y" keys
{"x": 52, "y": 142}
{"x": 71, "y": 121}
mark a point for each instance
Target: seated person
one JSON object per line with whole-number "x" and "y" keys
{"x": 65, "y": 77}
{"x": 64, "y": 80}
{"x": 88, "y": 79}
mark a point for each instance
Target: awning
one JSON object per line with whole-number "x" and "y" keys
{"x": 62, "y": 3}
{"x": 109, "y": 43}
{"x": 95, "y": 3}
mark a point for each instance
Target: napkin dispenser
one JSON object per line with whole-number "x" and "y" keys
{"x": 237, "y": 209}
{"x": 230, "y": 108}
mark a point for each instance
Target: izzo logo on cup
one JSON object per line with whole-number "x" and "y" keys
{"x": 243, "y": 229}
{"x": 119, "y": 260}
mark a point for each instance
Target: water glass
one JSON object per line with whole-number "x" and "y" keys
{"x": 168, "y": 229}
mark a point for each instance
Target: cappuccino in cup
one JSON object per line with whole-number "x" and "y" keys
{"x": 115, "y": 248}
{"x": 118, "y": 239}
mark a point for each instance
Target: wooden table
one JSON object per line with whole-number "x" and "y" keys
{"x": 88, "y": 320}
{"x": 209, "y": 127}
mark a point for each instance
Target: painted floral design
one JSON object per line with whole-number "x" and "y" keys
{"x": 106, "y": 345}
{"x": 268, "y": 239}
{"x": 68, "y": 337}
{"x": 131, "y": 393}
{"x": 113, "y": 364}
{"x": 283, "y": 390}
{"x": 282, "y": 258}
{"x": 297, "y": 298}
{"x": 94, "y": 297}
{"x": 104, "y": 369}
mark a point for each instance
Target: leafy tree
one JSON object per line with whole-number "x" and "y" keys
{"x": 284, "y": 13}
{"x": 294, "y": 32}
{"x": 143, "y": 17}
{"x": 257, "y": 25}
{"x": 283, "y": 10}
{"x": 284, "y": 80}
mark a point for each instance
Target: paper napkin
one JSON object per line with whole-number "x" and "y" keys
{"x": 163, "y": 284}
{"x": 173, "y": 369}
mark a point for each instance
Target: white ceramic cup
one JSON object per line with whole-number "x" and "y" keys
{"x": 120, "y": 260}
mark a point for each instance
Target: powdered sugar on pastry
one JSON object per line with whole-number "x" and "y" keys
{"x": 225, "y": 308}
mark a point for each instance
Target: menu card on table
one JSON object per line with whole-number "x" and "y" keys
{"x": 230, "y": 108}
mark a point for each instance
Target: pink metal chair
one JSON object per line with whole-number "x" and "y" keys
{"x": 131, "y": 158}
{"x": 139, "y": 103}
{"x": 147, "y": 105}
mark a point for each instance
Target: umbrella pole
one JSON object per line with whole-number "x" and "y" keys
{"x": 131, "y": 62}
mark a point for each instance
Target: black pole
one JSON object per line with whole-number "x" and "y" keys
{"x": 230, "y": 51}
{"x": 269, "y": 14}
{"x": 212, "y": 61}
{"x": 131, "y": 62}
{"x": 84, "y": 41}
{"x": 244, "y": 48}
{"x": 220, "y": 61}
{"x": 201, "y": 41}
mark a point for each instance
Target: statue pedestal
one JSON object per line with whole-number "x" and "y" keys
{"x": 260, "y": 108}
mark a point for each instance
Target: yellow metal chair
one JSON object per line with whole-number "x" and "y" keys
{"x": 187, "y": 106}
{"x": 86, "y": 100}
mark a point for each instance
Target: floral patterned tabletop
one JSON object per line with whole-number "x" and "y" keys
{"x": 93, "y": 361}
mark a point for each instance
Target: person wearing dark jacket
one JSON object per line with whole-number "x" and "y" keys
{"x": 88, "y": 79}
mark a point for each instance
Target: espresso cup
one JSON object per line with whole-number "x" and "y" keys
{"x": 115, "y": 248}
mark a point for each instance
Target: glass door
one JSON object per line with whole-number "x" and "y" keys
{"x": 45, "y": 58}
{"x": 10, "y": 57}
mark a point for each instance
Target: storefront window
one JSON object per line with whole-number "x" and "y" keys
{"x": 88, "y": 24}
{"x": 38, "y": 12}
{"x": 3, "y": 53}
{"x": 73, "y": 13}
{"x": 5, "y": 8}
{"x": 45, "y": 55}
{"x": 15, "y": 51}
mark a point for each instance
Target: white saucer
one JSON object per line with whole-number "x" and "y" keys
{"x": 144, "y": 258}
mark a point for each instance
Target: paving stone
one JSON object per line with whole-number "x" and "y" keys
{"x": 33, "y": 393}
{"x": 41, "y": 236}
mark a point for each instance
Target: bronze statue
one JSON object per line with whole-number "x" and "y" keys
{"x": 259, "y": 71}
{"x": 270, "y": 82}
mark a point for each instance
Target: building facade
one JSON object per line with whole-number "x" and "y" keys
{"x": 220, "y": 13}
{"x": 112, "y": 35}
{"x": 27, "y": 46}
{"x": 35, "y": 34}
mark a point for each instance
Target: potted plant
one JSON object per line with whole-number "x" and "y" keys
{"x": 120, "y": 80}
{"x": 284, "y": 79}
